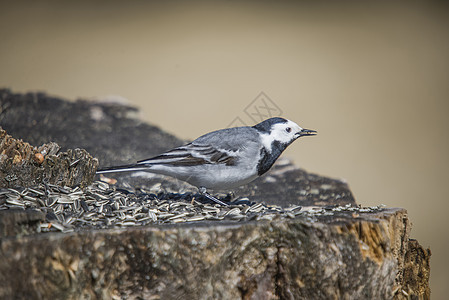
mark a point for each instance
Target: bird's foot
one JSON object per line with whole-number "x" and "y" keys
{"x": 242, "y": 201}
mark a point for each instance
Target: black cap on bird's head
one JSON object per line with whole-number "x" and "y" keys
{"x": 268, "y": 125}
{"x": 265, "y": 126}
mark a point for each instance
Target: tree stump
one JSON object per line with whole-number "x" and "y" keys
{"x": 330, "y": 249}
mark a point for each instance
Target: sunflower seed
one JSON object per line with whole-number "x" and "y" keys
{"x": 153, "y": 216}
{"x": 15, "y": 201}
{"x": 101, "y": 205}
{"x": 256, "y": 207}
{"x": 234, "y": 211}
{"x": 26, "y": 197}
{"x": 195, "y": 218}
{"x": 63, "y": 199}
{"x": 14, "y": 191}
{"x": 165, "y": 215}
{"x": 179, "y": 216}
{"x": 57, "y": 226}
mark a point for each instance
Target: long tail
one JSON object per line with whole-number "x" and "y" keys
{"x": 124, "y": 168}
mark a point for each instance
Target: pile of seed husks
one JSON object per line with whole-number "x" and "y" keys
{"x": 104, "y": 206}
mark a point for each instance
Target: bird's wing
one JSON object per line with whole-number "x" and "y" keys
{"x": 217, "y": 147}
{"x": 193, "y": 155}
{"x": 231, "y": 139}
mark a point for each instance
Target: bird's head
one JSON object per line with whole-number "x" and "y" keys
{"x": 282, "y": 131}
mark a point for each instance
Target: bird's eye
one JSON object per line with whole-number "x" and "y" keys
{"x": 288, "y": 129}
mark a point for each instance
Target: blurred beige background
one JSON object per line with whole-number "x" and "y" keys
{"x": 371, "y": 78}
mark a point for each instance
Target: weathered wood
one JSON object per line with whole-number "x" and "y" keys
{"x": 24, "y": 165}
{"x": 415, "y": 274}
{"x": 17, "y": 222}
{"x": 327, "y": 254}
{"x": 344, "y": 256}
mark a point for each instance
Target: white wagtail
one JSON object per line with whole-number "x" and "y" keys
{"x": 223, "y": 159}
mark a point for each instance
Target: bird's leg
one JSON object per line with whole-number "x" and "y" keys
{"x": 204, "y": 192}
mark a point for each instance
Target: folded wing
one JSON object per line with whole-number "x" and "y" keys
{"x": 193, "y": 155}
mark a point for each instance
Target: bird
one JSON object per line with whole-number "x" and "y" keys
{"x": 223, "y": 159}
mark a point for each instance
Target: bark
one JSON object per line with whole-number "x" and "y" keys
{"x": 24, "y": 165}
{"x": 343, "y": 256}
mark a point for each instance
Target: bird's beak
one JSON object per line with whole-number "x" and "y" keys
{"x": 306, "y": 132}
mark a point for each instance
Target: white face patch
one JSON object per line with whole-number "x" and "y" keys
{"x": 284, "y": 133}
